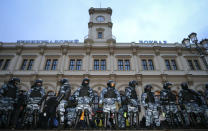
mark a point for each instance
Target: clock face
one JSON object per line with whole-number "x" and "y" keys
{"x": 100, "y": 18}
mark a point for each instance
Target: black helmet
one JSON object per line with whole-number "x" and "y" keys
{"x": 111, "y": 83}
{"x": 14, "y": 80}
{"x": 206, "y": 86}
{"x": 85, "y": 82}
{"x": 38, "y": 81}
{"x": 64, "y": 80}
{"x": 133, "y": 83}
{"x": 148, "y": 88}
{"x": 166, "y": 85}
{"x": 184, "y": 85}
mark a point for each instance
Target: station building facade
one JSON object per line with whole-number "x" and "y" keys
{"x": 101, "y": 58}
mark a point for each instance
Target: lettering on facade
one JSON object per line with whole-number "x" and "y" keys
{"x": 47, "y": 41}
{"x": 153, "y": 41}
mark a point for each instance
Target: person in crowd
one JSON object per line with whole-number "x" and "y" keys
{"x": 111, "y": 101}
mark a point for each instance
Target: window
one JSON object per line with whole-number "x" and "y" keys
{"x": 24, "y": 64}
{"x": 103, "y": 65}
{"x": 191, "y": 65}
{"x": 194, "y": 64}
{"x": 48, "y": 63}
{"x": 54, "y": 64}
{"x": 51, "y": 64}
{"x": 100, "y": 18}
{"x": 100, "y": 35}
{"x": 144, "y": 64}
{"x": 127, "y": 65}
{"x": 167, "y": 62}
{"x": 79, "y": 64}
{"x": 27, "y": 64}
{"x": 147, "y": 64}
{"x": 1, "y": 62}
{"x": 100, "y": 64}
{"x": 120, "y": 65}
{"x": 123, "y": 64}
{"x": 30, "y": 64}
{"x": 72, "y": 64}
{"x": 6, "y": 64}
{"x": 96, "y": 64}
{"x": 171, "y": 64}
{"x": 75, "y": 64}
{"x": 151, "y": 66}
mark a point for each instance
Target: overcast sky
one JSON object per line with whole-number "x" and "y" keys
{"x": 133, "y": 20}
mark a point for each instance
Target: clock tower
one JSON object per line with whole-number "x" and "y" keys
{"x": 100, "y": 26}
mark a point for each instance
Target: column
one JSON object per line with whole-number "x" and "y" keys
{"x": 111, "y": 52}
{"x": 87, "y": 62}
{"x": 135, "y": 62}
{"x": 63, "y": 59}
{"x": 17, "y": 62}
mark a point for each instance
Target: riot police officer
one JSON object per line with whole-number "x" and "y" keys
{"x": 151, "y": 105}
{"x": 133, "y": 103}
{"x": 35, "y": 97}
{"x": 169, "y": 105}
{"x": 8, "y": 97}
{"x": 189, "y": 101}
{"x": 111, "y": 100}
{"x": 19, "y": 112}
{"x": 49, "y": 110}
{"x": 84, "y": 96}
{"x": 63, "y": 95}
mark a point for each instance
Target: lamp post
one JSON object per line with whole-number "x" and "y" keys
{"x": 201, "y": 47}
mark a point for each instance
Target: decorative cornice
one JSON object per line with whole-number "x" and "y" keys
{"x": 111, "y": 48}
{"x": 19, "y": 48}
{"x": 88, "y": 48}
{"x": 139, "y": 78}
{"x": 164, "y": 78}
{"x": 90, "y": 24}
{"x": 64, "y": 49}
{"x": 134, "y": 49}
{"x": 110, "y": 24}
{"x": 91, "y": 10}
{"x": 86, "y": 75}
{"x": 189, "y": 79}
{"x": 112, "y": 77}
{"x": 42, "y": 48}
{"x": 179, "y": 50}
{"x": 111, "y": 40}
{"x": 157, "y": 50}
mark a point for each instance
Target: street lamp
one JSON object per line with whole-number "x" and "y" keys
{"x": 201, "y": 47}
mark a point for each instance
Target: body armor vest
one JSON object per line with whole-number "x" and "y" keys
{"x": 84, "y": 91}
{"x": 168, "y": 96}
{"x": 150, "y": 98}
{"x": 35, "y": 93}
{"x": 188, "y": 96}
{"x": 11, "y": 92}
{"x": 133, "y": 94}
{"x": 110, "y": 93}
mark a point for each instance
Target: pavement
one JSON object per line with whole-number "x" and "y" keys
{"x": 117, "y": 130}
